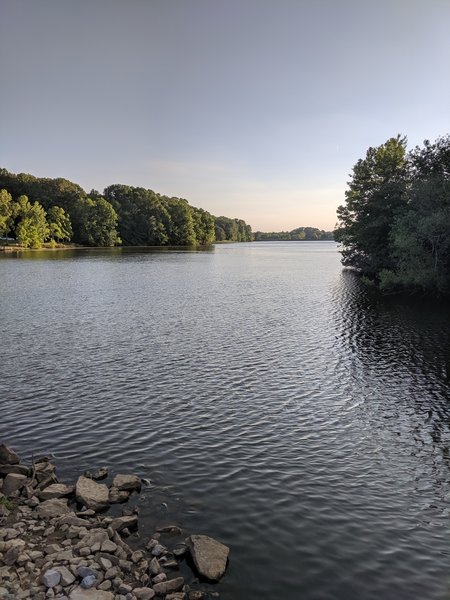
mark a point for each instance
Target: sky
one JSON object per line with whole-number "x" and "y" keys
{"x": 256, "y": 109}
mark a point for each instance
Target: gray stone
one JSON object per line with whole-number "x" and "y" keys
{"x": 179, "y": 549}
{"x": 92, "y": 539}
{"x": 8, "y": 456}
{"x": 137, "y": 556}
{"x": 209, "y": 556}
{"x": 159, "y": 578}
{"x": 85, "y": 572}
{"x": 121, "y": 523}
{"x": 88, "y": 581}
{"x": 93, "y": 495}
{"x": 51, "y": 578}
{"x": 105, "y": 585}
{"x": 169, "y": 529}
{"x": 56, "y": 490}
{"x": 117, "y": 496}
{"x": 127, "y": 482}
{"x": 12, "y": 483}
{"x": 66, "y": 576}
{"x": 173, "y": 585}
{"x": 154, "y": 567}
{"x": 158, "y": 550}
{"x": 55, "y": 507}
{"x": 98, "y": 474}
{"x": 108, "y": 546}
{"x": 144, "y": 593}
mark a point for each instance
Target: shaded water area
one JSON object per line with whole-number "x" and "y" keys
{"x": 273, "y": 402}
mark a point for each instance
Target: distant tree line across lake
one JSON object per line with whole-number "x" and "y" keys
{"x": 307, "y": 234}
{"x": 36, "y": 210}
{"x": 395, "y": 224}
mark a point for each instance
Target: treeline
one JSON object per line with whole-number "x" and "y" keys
{"x": 299, "y": 234}
{"x": 395, "y": 224}
{"x": 36, "y": 210}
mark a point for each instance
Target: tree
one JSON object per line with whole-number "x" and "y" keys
{"x": 420, "y": 235}
{"x": 375, "y": 197}
{"x": 203, "y": 226}
{"x": 32, "y": 229}
{"x": 6, "y": 213}
{"x": 60, "y": 227}
{"x": 96, "y": 222}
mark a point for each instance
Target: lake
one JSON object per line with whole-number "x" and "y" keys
{"x": 273, "y": 402}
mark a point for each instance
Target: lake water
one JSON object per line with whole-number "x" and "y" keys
{"x": 272, "y": 401}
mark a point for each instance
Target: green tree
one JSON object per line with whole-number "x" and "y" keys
{"x": 182, "y": 231}
{"x": 375, "y": 197}
{"x": 203, "y": 226}
{"x": 420, "y": 236}
{"x": 96, "y": 222}
{"x": 32, "y": 229}
{"x": 6, "y": 213}
{"x": 60, "y": 227}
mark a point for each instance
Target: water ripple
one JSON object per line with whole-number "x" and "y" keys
{"x": 271, "y": 400}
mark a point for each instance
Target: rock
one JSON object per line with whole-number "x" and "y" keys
{"x": 159, "y": 578}
{"x": 169, "y": 529}
{"x": 98, "y": 474}
{"x": 158, "y": 550}
{"x": 19, "y": 469}
{"x": 85, "y": 572}
{"x": 12, "y": 483}
{"x": 179, "y": 550}
{"x": 51, "y": 578}
{"x": 136, "y": 556}
{"x": 105, "y": 585}
{"x": 82, "y": 594}
{"x": 92, "y": 539}
{"x": 8, "y": 456}
{"x": 209, "y": 556}
{"x": 66, "y": 576}
{"x": 173, "y": 585}
{"x": 88, "y": 581}
{"x": 121, "y": 523}
{"x": 155, "y": 567}
{"x": 108, "y": 546}
{"x": 93, "y": 495}
{"x": 117, "y": 496}
{"x": 176, "y": 596}
{"x": 55, "y": 507}
{"x": 56, "y": 490}
{"x": 127, "y": 482}
{"x": 144, "y": 593}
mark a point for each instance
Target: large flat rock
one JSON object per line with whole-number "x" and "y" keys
{"x": 93, "y": 495}
{"x": 53, "y": 508}
{"x": 209, "y": 556}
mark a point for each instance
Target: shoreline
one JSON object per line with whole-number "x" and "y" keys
{"x": 61, "y": 541}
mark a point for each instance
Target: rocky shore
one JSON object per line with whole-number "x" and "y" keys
{"x": 59, "y": 541}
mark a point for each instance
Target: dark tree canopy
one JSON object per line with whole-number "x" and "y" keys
{"x": 395, "y": 225}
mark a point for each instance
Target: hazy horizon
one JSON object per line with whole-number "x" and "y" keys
{"x": 244, "y": 108}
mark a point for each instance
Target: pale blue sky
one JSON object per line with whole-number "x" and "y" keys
{"x": 249, "y": 108}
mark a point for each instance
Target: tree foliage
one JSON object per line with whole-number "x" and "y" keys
{"x": 124, "y": 214}
{"x": 298, "y": 234}
{"x": 395, "y": 226}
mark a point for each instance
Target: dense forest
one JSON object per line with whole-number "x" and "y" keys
{"x": 36, "y": 210}
{"x": 299, "y": 234}
{"x": 395, "y": 224}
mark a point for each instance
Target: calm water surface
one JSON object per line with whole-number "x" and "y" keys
{"x": 272, "y": 402}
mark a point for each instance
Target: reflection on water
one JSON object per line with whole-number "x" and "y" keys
{"x": 273, "y": 402}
